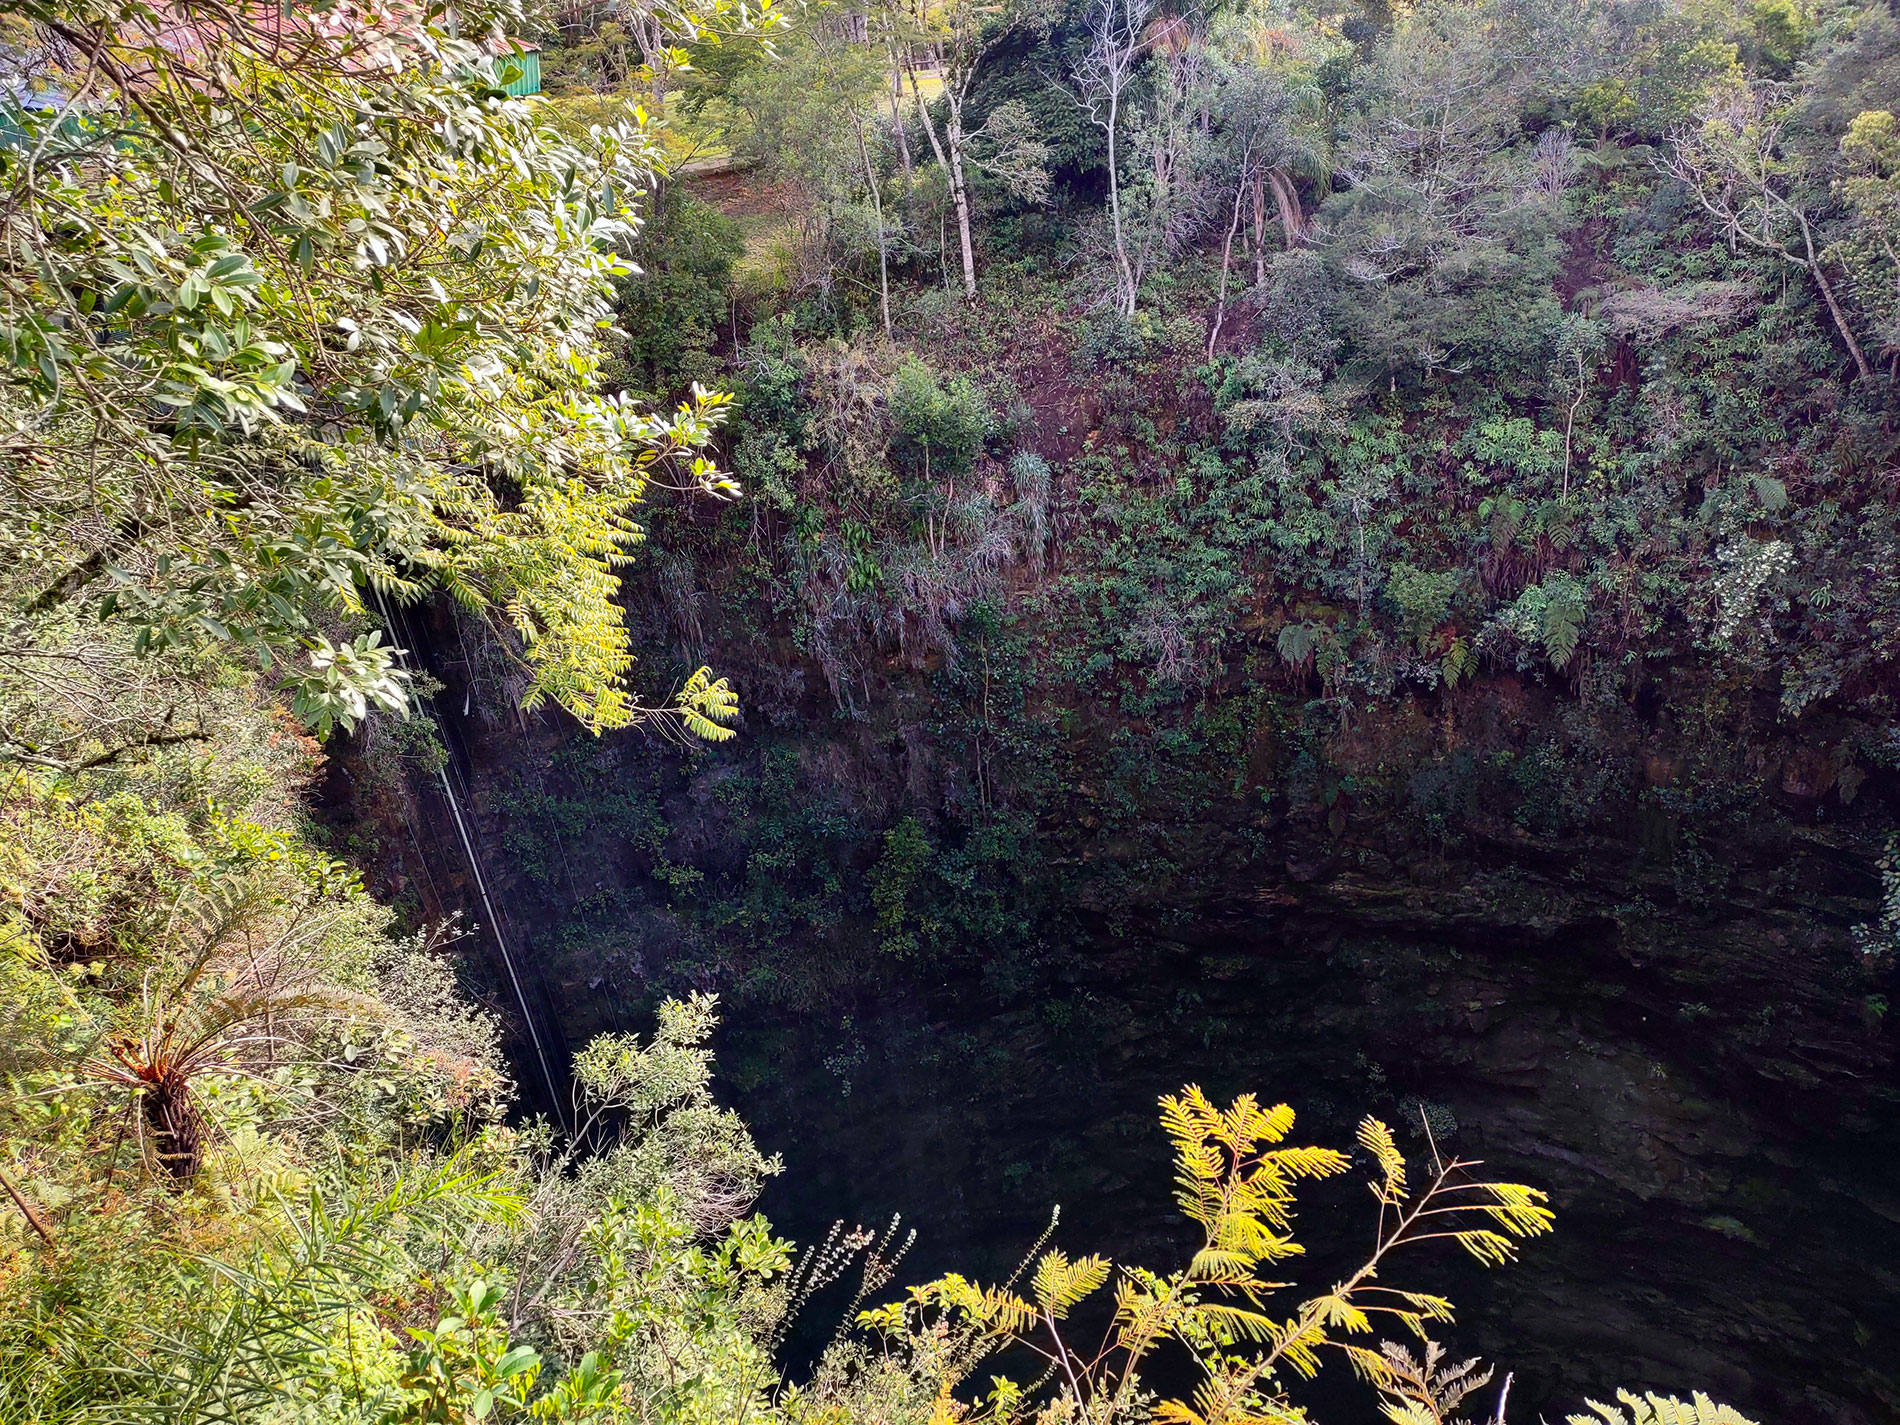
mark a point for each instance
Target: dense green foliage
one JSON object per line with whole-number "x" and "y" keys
{"x": 1484, "y": 471}
{"x": 1484, "y": 365}
{"x": 1167, "y": 412}
{"x": 256, "y": 1151}
{"x": 1520, "y": 391}
{"x": 685, "y": 254}
{"x": 297, "y": 311}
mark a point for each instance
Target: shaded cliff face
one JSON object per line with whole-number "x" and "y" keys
{"x": 1659, "y": 1014}
{"x": 1712, "y": 1114}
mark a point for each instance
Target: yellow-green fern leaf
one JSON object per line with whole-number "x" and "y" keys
{"x": 1426, "y": 1306}
{"x": 1653, "y": 1409}
{"x": 1377, "y": 1140}
{"x": 1369, "y": 1366}
{"x": 1176, "y": 1412}
{"x": 1060, "y": 1283}
{"x": 1520, "y": 1210}
{"x": 1490, "y": 1248}
{"x": 1306, "y": 1162}
{"x": 1238, "y": 1321}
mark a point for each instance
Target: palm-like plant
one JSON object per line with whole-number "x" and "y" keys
{"x": 229, "y": 994}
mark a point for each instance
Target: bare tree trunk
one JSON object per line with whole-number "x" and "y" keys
{"x": 952, "y": 166}
{"x": 1226, "y": 256}
{"x": 651, "y": 35}
{"x": 1827, "y": 295}
{"x": 960, "y": 191}
{"x": 897, "y": 118}
{"x": 1259, "y": 231}
{"x": 877, "y": 207}
{"x": 1126, "y": 273}
{"x": 1570, "y": 419}
{"x": 936, "y": 149}
{"x": 1696, "y": 175}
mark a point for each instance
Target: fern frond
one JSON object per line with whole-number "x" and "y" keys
{"x": 1148, "y": 1308}
{"x": 1306, "y": 1162}
{"x": 999, "y": 1312}
{"x": 1059, "y": 1284}
{"x": 1247, "y": 1123}
{"x": 1369, "y": 1365}
{"x": 1243, "y": 1323}
{"x": 1377, "y": 1140}
{"x": 1214, "y": 1264}
{"x": 1337, "y": 1309}
{"x": 1188, "y": 1118}
{"x": 1653, "y": 1409}
{"x": 1519, "y": 1210}
{"x": 1431, "y": 1308}
{"x": 1492, "y": 1249}
{"x": 1230, "y": 1396}
{"x": 1240, "y": 1230}
{"x": 1298, "y": 1343}
{"x": 1421, "y": 1388}
{"x": 1176, "y": 1412}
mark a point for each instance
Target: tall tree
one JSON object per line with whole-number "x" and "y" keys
{"x": 812, "y": 113}
{"x": 1103, "y": 74}
{"x": 1870, "y": 250}
{"x": 1005, "y": 146}
{"x": 1171, "y": 143}
{"x": 1259, "y": 137}
{"x": 1736, "y": 163}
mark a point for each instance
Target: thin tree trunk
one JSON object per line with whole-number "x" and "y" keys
{"x": 961, "y": 193}
{"x": 930, "y": 518}
{"x": 653, "y": 43}
{"x": 923, "y": 112}
{"x": 1226, "y": 256}
{"x": 1827, "y": 295}
{"x": 952, "y": 166}
{"x": 1115, "y": 208}
{"x": 1259, "y": 231}
{"x": 936, "y": 149}
{"x": 1570, "y": 420}
{"x": 27, "y": 1209}
{"x": 877, "y": 207}
{"x": 897, "y": 97}
{"x": 1764, "y": 243}
{"x": 903, "y": 141}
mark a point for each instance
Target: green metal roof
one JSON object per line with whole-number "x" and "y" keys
{"x": 528, "y": 81}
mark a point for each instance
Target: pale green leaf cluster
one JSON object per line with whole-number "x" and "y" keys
{"x": 297, "y": 311}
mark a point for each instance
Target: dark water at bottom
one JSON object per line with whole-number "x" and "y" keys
{"x": 1727, "y": 1217}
